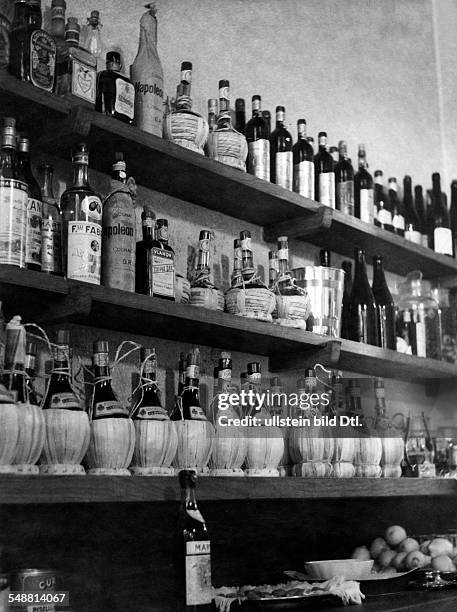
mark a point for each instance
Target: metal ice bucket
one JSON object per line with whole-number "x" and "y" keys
{"x": 325, "y": 289}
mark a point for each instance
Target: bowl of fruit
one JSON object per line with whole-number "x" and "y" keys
{"x": 351, "y": 569}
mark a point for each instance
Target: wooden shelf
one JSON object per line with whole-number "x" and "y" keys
{"x": 88, "y": 489}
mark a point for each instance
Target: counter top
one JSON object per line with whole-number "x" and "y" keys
{"x": 405, "y": 601}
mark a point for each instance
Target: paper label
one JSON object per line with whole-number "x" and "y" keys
{"x": 284, "y": 169}
{"x": 327, "y": 189}
{"x": 424, "y": 240}
{"x": 84, "y": 251}
{"x": 83, "y": 80}
{"x": 421, "y": 340}
{"x": 108, "y": 409}
{"x": 366, "y": 205}
{"x": 398, "y": 222}
{"x": 65, "y": 401}
{"x": 33, "y": 232}
{"x": 413, "y": 236}
{"x": 304, "y": 179}
{"x": 42, "y": 60}
{"x": 198, "y": 573}
{"x": 148, "y": 98}
{"x": 151, "y": 413}
{"x": 163, "y": 273}
{"x": 443, "y": 240}
{"x": 125, "y": 98}
{"x": 118, "y": 242}
{"x": 259, "y": 159}
{"x": 345, "y": 197}
{"x": 51, "y": 243}
{"x": 13, "y": 218}
{"x": 384, "y": 216}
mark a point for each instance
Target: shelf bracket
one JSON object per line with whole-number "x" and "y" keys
{"x": 301, "y": 227}
{"x": 326, "y": 354}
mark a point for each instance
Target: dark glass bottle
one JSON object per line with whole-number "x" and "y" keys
{"x": 281, "y": 161}
{"x": 62, "y": 81}
{"x": 382, "y": 204}
{"x": 34, "y": 208}
{"x": 453, "y": 214}
{"x": 267, "y": 116}
{"x": 143, "y": 268}
{"x": 30, "y": 362}
{"x": 115, "y": 92}
{"x": 362, "y": 310}
{"x": 324, "y": 175}
{"x": 303, "y": 159}
{"x": 344, "y": 181}
{"x": 442, "y": 234}
{"x": 364, "y": 207}
{"x": 413, "y": 224}
{"x": 335, "y": 156}
{"x": 148, "y": 405}
{"x": 192, "y": 551}
{"x": 104, "y": 404}
{"x": 398, "y": 216}
{"x": 258, "y": 137}
{"x": 190, "y": 407}
{"x": 420, "y": 209}
{"x": 345, "y": 312}
{"x": 51, "y": 228}
{"x": 240, "y": 116}
{"x": 60, "y": 392}
{"x": 385, "y": 308}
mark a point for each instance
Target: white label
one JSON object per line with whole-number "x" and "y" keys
{"x": 65, "y": 401}
{"x": 83, "y": 81}
{"x": 366, "y": 205}
{"x": 193, "y": 371}
{"x": 413, "y": 236}
{"x": 259, "y": 159}
{"x": 196, "y": 413}
{"x": 424, "y": 240}
{"x": 283, "y": 254}
{"x": 51, "y": 242}
{"x": 33, "y": 232}
{"x": 125, "y": 98}
{"x": 304, "y": 179}
{"x": 84, "y": 251}
{"x": 163, "y": 273}
{"x": 421, "y": 340}
{"x": 151, "y": 413}
{"x": 13, "y": 206}
{"x": 398, "y": 222}
{"x": 384, "y": 216}
{"x": 443, "y": 240}
{"x": 198, "y": 573}
{"x": 92, "y": 207}
{"x": 345, "y": 197}
{"x": 284, "y": 169}
{"x": 109, "y": 409}
{"x": 327, "y": 189}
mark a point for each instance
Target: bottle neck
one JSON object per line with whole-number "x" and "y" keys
{"x": 47, "y": 189}
{"x": 80, "y": 175}
{"x": 203, "y": 260}
{"x": 283, "y": 266}
{"x": 148, "y": 231}
{"x": 188, "y": 497}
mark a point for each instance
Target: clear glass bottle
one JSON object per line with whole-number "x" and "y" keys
{"x": 93, "y": 38}
{"x": 115, "y": 92}
{"x": 51, "y": 228}
{"x": 82, "y": 65}
{"x": 281, "y": 158}
{"x": 344, "y": 181}
{"x": 258, "y": 139}
{"x": 34, "y": 208}
{"x": 303, "y": 159}
{"x": 364, "y": 208}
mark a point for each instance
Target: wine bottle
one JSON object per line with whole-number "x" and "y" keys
{"x": 60, "y": 392}
{"x": 190, "y": 396}
{"x": 192, "y": 551}
{"x": 442, "y": 234}
{"x": 362, "y": 308}
{"x": 258, "y": 137}
{"x": 344, "y": 180}
{"x": 347, "y": 268}
{"x": 382, "y": 203}
{"x": 34, "y": 208}
{"x": 385, "y": 308}
{"x": 413, "y": 223}
{"x": 240, "y": 116}
{"x": 453, "y": 214}
{"x": 104, "y": 404}
{"x": 148, "y": 406}
{"x": 364, "y": 208}
{"x": 420, "y": 209}
{"x": 398, "y": 217}
{"x": 303, "y": 158}
{"x": 281, "y": 160}
{"x": 324, "y": 176}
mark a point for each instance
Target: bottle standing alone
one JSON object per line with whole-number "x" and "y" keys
{"x": 258, "y": 135}
{"x": 344, "y": 179}
{"x": 281, "y": 160}
{"x": 51, "y": 227}
{"x": 442, "y": 234}
{"x": 147, "y": 77}
{"x": 413, "y": 224}
{"x": 385, "y": 308}
{"x": 303, "y": 160}
{"x": 362, "y": 308}
{"x": 115, "y": 92}
{"x": 364, "y": 208}
{"x": 34, "y": 208}
{"x": 324, "y": 175}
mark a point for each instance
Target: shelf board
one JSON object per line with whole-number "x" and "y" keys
{"x": 97, "y": 489}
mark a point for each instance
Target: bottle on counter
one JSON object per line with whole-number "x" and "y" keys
{"x": 344, "y": 181}
{"x": 51, "y": 227}
{"x": 385, "y": 308}
{"x": 413, "y": 224}
{"x": 82, "y": 224}
{"x": 292, "y": 302}
{"x": 82, "y": 65}
{"x": 419, "y": 205}
{"x": 303, "y": 159}
{"x": 34, "y": 208}
{"x": 258, "y": 138}
{"x": 442, "y": 233}
{"x": 362, "y": 311}
{"x": 324, "y": 175}
{"x": 281, "y": 158}
{"x": 364, "y": 207}
{"x": 115, "y": 92}
{"x": 240, "y": 115}
{"x": 383, "y": 207}
{"x": 396, "y": 206}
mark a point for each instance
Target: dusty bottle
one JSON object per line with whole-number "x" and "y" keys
{"x": 92, "y": 40}
{"x": 51, "y": 228}
{"x": 119, "y": 231}
{"x": 34, "y": 209}
{"x": 82, "y": 65}
{"x": 147, "y": 77}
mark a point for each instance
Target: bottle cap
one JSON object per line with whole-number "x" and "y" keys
{"x": 342, "y": 146}
{"x": 239, "y": 104}
{"x": 204, "y": 235}
{"x": 273, "y": 254}
{"x": 63, "y": 337}
{"x": 81, "y": 154}
{"x": 224, "y": 83}
{"x": 256, "y": 97}
{"x": 392, "y": 179}
{"x": 282, "y": 239}
{"x": 147, "y": 213}
{"x": 301, "y": 121}
{"x": 322, "y": 134}
{"x": 245, "y": 234}
{"x": 280, "y": 109}
{"x": 186, "y": 66}
{"x": 378, "y": 173}
{"x": 162, "y": 223}
{"x": 94, "y": 19}
{"x": 24, "y": 145}
{"x": 100, "y": 346}
{"x": 377, "y": 259}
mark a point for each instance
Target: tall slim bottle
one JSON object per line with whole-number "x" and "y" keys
{"x": 344, "y": 181}
{"x": 258, "y": 135}
{"x": 398, "y": 217}
{"x": 362, "y": 311}
{"x": 413, "y": 222}
{"x": 420, "y": 208}
{"x": 147, "y": 77}
{"x": 34, "y": 208}
{"x": 281, "y": 160}
{"x": 324, "y": 175}
{"x": 58, "y": 8}
{"x": 51, "y": 227}
{"x": 303, "y": 158}
{"x": 442, "y": 234}
{"x": 382, "y": 204}
{"x": 364, "y": 208}
{"x": 385, "y": 307}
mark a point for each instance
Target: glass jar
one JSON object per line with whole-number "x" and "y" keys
{"x": 419, "y": 313}
{"x": 448, "y": 324}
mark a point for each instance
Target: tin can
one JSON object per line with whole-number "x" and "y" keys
{"x": 4, "y": 590}
{"x": 34, "y": 581}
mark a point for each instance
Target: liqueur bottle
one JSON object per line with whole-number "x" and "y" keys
{"x": 93, "y": 38}
{"x": 82, "y": 224}
{"x": 62, "y": 85}
{"x": 303, "y": 159}
{"x": 345, "y": 313}
{"x": 60, "y": 392}
{"x": 192, "y": 551}
{"x": 115, "y": 92}
{"x": 240, "y": 115}
{"x": 364, "y": 208}
{"x": 51, "y": 227}
{"x": 163, "y": 263}
{"x": 147, "y": 77}
{"x": 420, "y": 209}
{"x": 362, "y": 309}
{"x": 413, "y": 223}
{"x": 258, "y": 135}
{"x": 82, "y": 65}
{"x": 442, "y": 234}
{"x": 34, "y": 208}
{"x": 13, "y": 199}
{"x": 119, "y": 231}
{"x": 190, "y": 407}
{"x": 104, "y": 404}
{"x": 324, "y": 175}
{"x": 225, "y": 144}
{"x": 143, "y": 268}
{"x": 344, "y": 179}
{"x": 385, "y": 308}
{"x": 33, "y": 51}
{"x": 281, "y": 159}
{"x": 382, "y": 203}
{"x": 398, "y": 216}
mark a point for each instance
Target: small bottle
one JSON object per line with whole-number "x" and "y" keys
{"x": 325, "y": 258}
{"x": 82, "y": 65}
{"x": 303, "y": 159}
{"x": 143, "y": 268}
{"x": 442, "y": 233}
{"x": 345, "y": 313}
{"x": 62, "y": 85}
{"x": 412, "y": 220}
{"x": 385, "y": 308}
{"x": 13, "y": 199}
{"x": 398, "y": 216}
{"x": 285, "y": 285}
{"x": 104, "y": 403}
{"x": 240, "y": 116}
{"x": 82, "y": 223}
{"x": 163, "y": 266}
{"x": 344, "y": 179}
{"x": 51, "y": 228}
{"x": 362, "y": 312}
{"x": 115, "y": 92}
{"x": 281, "y": 159}
{"x": 420, "y": 209}
{"x": 34, "y": 208}
{"x": 258, "y": 137}
{"x": 93, "y": 38}
{"x": 382, "y": 204}
{"x": 212, "y": 114}
{"x": 324, "y": 175}
{"x": 60, "y": 393}
{"x": 364, "y": 208}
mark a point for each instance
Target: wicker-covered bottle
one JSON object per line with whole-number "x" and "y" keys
{"x": 292, "y": 301}
{"x": 203, "y": 292}
{"x": 344, "y": 439}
